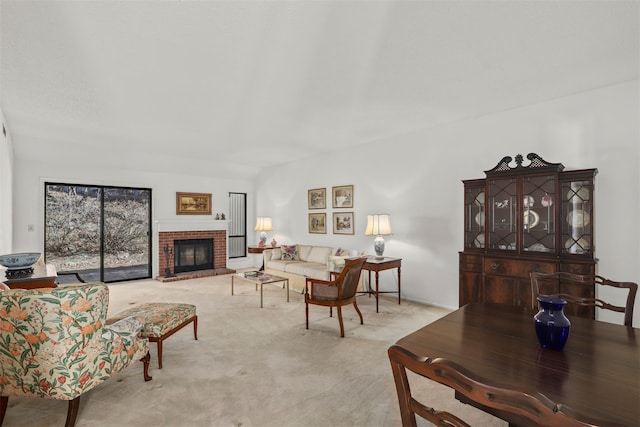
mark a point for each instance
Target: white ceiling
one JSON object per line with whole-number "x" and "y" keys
{"x": 231, "y": 86}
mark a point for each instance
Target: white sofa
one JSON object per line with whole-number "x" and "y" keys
{"x": 297, "y": 262}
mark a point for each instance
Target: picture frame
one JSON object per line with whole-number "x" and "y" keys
{"x": 193, "y": 203}
{"x": 342, "y": 196}
{"x": 318, "y": 223}
{"x": 317, "y": 198}
{"x": 343, "y": 222}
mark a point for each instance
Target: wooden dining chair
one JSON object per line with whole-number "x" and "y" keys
{"x": 577, "y": 289}
{"x": 335, "y": 293}
{"x": 530, "y": 409}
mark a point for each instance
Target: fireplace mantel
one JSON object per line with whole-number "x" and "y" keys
{"x": 189, "y": 225}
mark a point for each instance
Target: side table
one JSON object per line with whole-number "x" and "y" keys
{"x": 378, "y": 265}
{"x": 258, "y": 250}
{"x": 43, "y": 276}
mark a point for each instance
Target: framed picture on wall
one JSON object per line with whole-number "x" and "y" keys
{"x": 193, "y": 203}
{"x": 343, "y": 223}
{"x": 318, "y": 223}
{"x": 342, "y": 196}
{"x": 317, "y": 198}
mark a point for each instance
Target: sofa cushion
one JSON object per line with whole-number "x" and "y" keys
{"x": 308, "y": 269}
{"x": 290, "y": 252}
{"x": 304, "y": 251}
{"x": 319, "y": 254}
{"x": 279, "y": 264}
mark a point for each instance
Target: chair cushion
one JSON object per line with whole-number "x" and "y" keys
{"x": 325, "y": 292}
{"x": 158, "y": 318}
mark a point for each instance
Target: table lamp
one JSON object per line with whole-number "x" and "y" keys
{"x": 378, "y": 225}
{"x": 263, "y": 224}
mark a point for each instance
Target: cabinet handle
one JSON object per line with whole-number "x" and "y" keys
{"x": 495, "y": 266}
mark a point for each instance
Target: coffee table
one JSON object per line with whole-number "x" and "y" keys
{"x": 261, "y": 279}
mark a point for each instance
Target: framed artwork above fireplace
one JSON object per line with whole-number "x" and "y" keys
{"x": 193, "y": 203}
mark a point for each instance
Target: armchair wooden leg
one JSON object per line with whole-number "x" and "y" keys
{"x": 72, "y": 412}
{"x": 359, "y": 314}
{"x": 146, "y": 359}
{"x": 4, "y": 402}
{"x": 340, "y": 320}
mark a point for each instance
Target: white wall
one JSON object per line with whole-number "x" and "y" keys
{"x": 6, "y": 189}
{"x": 416, "y": 177}
{"x": 29, "y": 201}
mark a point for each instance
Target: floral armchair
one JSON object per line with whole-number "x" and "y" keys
{"x": 55, "y": 344}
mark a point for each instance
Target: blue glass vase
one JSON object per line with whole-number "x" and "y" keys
{"x": 552, "y": 326}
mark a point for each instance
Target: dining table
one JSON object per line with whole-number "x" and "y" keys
{"x": 594, "y": 379}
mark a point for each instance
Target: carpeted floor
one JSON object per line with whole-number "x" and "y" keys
{"x": 256, "y": 367}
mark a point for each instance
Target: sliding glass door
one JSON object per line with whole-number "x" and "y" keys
{"x": 104, "y": 233}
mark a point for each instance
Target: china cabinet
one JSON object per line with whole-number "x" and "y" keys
{"x": 522, "y": 218}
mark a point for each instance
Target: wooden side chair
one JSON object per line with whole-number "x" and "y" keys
{"x": 335, "y": 293}
{"x": 573, "y": 288}
{"x": 531, "y": 409}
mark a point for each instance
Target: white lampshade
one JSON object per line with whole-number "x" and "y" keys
{"x": 378, "y": 225}
{"x": 264, "y": 223}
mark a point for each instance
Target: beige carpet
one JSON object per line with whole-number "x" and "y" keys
{"x": 256, "y": 367}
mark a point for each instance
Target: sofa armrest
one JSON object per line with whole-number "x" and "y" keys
{"x": 266, "y": 255}
{"x": 124, "y": 343}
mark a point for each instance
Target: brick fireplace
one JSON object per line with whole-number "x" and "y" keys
{"x": 166, "y": 241}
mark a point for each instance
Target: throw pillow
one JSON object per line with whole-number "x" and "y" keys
{"x": 290, "y": 252}
{"x": 276, "y": 253}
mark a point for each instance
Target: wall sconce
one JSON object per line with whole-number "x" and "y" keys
{"x": 378, "y": 225}
{"x": 263, "y": 224}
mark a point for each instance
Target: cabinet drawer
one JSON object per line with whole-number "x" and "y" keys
{"x": 471, "y": 263}
{"x": 589, "y": 269}
{"x": 517, "y": 268}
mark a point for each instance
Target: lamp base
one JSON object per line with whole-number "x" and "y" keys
{"x": 378, "y": 245}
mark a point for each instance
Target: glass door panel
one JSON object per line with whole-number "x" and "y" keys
{"x": 576, "y": 217}
{"x": 127, "y": 215}
{"x": 474, "y": 217}
{"x": 538, "y": 222}
{"x": 73, "y": 224}
{"x": 501, "y": 211}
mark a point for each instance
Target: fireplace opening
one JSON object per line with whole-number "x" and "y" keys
{"x": 192, "y": 255}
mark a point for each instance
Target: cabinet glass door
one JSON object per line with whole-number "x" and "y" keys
{"x": 502, "y": 214}
{"x": 474, "y": 200}
{"x": 577, "y": 227}
{"x": 538, "y": 213}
